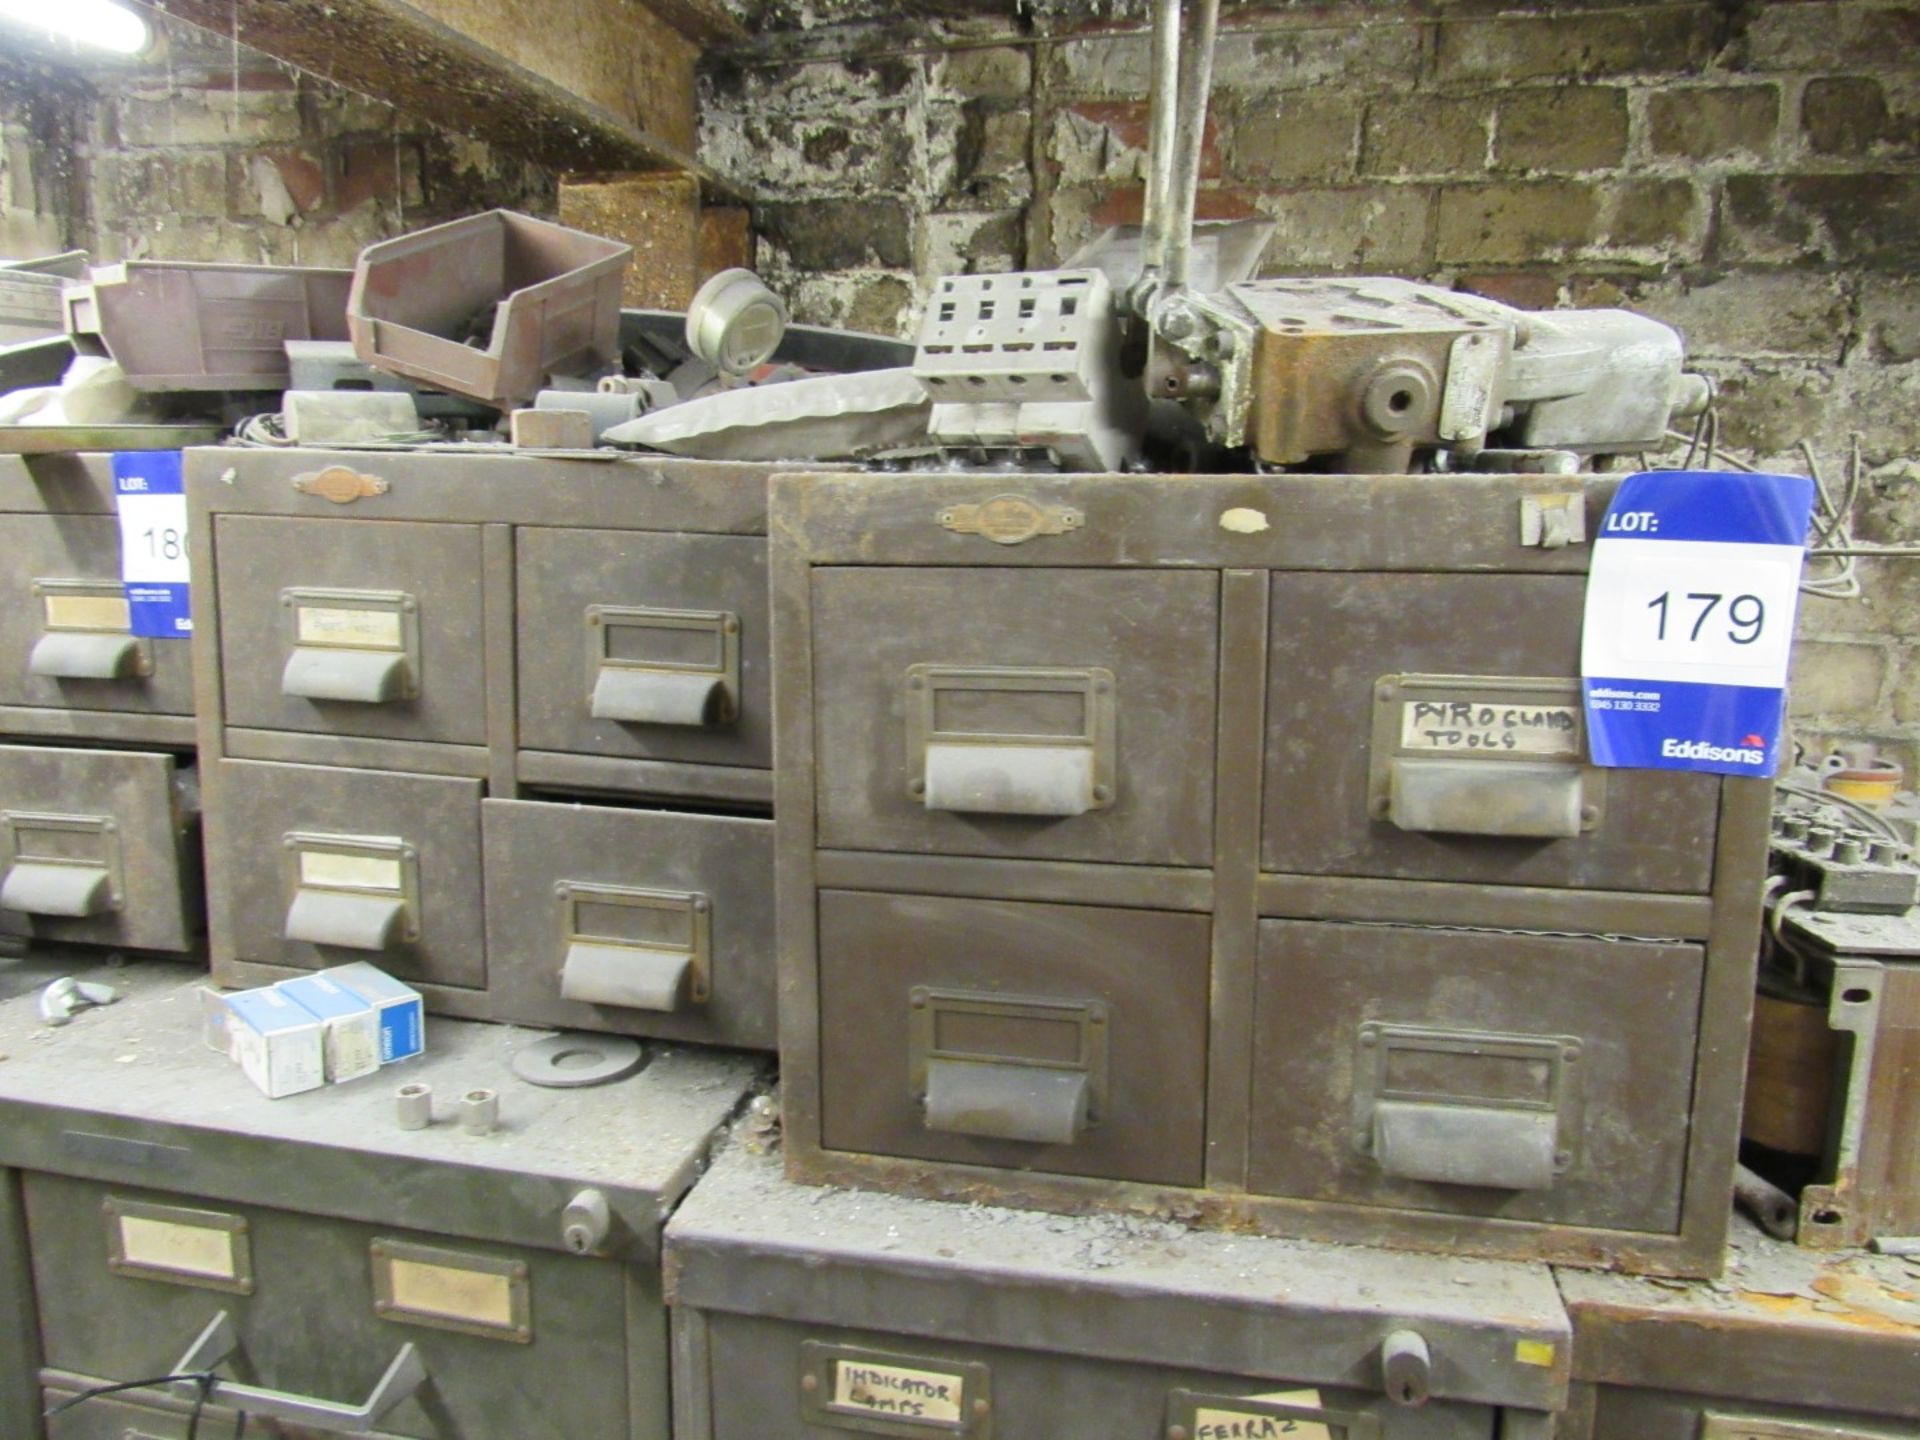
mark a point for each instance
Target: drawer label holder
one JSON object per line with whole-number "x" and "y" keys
{"x": 481, "y": 1295}
{"x": 901, "y": 1395}
{"x": 207, "y": 1249}
{"x": 1281, "y": 1415}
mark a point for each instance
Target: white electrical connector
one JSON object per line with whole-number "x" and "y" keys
{"x": 1031, "y": 361}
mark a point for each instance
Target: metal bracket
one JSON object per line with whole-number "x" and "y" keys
{"x": 219, "y": 1343}
{"x": 1827, "y": 1218}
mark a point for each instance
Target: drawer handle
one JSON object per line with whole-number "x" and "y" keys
{"x": 997, "y": 1101}
{"x": 49, "y": 887}
{"x": 1471, "y": 797}
{"x": 65, "y": 866}
{"x": 218, "y": 1343}
{"x": 633, "y": 948}
{"x": 992, "y": 741}
{"x": 663, "y": 667}
{"x": 358, "y": 677}
{"x": 1458, "y": 1107}
{"x": 80, "y": 655}
{"x": 354, "y": 922}
{"x": 360, "y": 892}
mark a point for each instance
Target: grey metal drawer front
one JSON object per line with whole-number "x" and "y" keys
{"x": 1029, "y": 713}
{"x": 330, "y": 865}
{"x": 1630, "y": 1414}
{"x": 456, "y": 1337}
{"x": 770, "y": 1380}
{"x": 352, "y": 627}
{"x": 1487, "y": 1074}
{"x": 1429, "y": 727}
{"x": 643, "y": 645}
{"x": 99, "y": 846}
{"x": 1036, "y": 1037}
{"x": 65, "y": 641}
{"x": 633, "y": 921}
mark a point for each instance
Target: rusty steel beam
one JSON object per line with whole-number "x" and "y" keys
{"x": 571, "y": 84}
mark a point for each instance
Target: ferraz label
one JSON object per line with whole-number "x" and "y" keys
{"x": 151, "y": 499}
{"x": 1218, "y": 1422}
{"x": 1691, "y": 601}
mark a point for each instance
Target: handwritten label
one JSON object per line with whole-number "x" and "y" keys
{"x": 360, "y": 629}
{"x": 896, "y": 1391}
{"x": 169, "y": 1245}
{"x": 1510, "y": 727}
{"x": 448, "y": 1291}
{"x": 1215, "y": 1423}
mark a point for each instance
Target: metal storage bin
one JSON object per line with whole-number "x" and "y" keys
{"x": 1458, "y": 995}
{"x": 498, "y": 1285}
{"x": 70, "y": 669}
{"x": 800, "y": 1314}
{"x": 100, "y": 847}
{"x": 1795, "y": 1346}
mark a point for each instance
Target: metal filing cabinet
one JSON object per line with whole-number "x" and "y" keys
{"x": 498, "y": 1287}
{"x": 1795, "y": 1345}
{"x": 99, "y": 793}
{"x": 1228, "y": 844}
{"x": 797, "y": 1313}
{"x": 418, "y": 664}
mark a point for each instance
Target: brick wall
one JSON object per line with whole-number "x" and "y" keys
{"x": 1749, "y": 172}
{"x": 199, "y": 153}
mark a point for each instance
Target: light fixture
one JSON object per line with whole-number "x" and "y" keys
{"x": 96, "y": 24}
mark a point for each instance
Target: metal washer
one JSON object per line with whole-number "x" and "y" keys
{"x": 570, "y": 1060}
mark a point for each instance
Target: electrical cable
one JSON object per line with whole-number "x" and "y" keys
{"x": 203, "y": 1381}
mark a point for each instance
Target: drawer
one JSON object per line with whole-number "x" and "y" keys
{"x": 635, "y": 921}
{"x": 101, "y": 847}
{"x": 513, "y": 1342}
{"x": 1056, "y": 1038}
{"x": 325, "y": 866}
{"x": 1048, "y": 714}
{"x": 1526, "y": 1077}
{"x": 1428, "y": 727}
{"x": 644, "y": 646}
{"x": 156, "y": 1416}
{"x": 1623, "y": 1414}
{"x": 65, "y": 641}
{"x": 352, "y": 627}
{"x": 775, "y": 1380}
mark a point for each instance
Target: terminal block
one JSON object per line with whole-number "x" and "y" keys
{"x": 1031, "y": 361}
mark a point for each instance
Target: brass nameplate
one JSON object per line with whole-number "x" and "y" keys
{"x": 1011, "y": 519}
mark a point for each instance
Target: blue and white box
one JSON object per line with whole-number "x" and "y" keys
{"x": 278, "y": 1043}
{"x": 350, "y": 1024}
{"x": 401, "y": 1012}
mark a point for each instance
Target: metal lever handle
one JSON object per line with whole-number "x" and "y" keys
{"x": 218, "y": 1343}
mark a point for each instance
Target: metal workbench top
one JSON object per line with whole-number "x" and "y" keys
{"x": 1833, "y": 1330}
{"x": 1120, "y": 1287}
{"x": 130, "y": 1093}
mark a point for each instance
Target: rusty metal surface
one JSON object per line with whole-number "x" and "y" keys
{"x": 1785, "y": 1326}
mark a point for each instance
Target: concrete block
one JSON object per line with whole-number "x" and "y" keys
{"x": 1421, "y": 134}
{"x": 551, "y": 429}
{"x": 1292, "y": 135}
{"x": 1516, "y": 221}
{"x": 1709, "y": 124}
{"x": 1836, "y": 678}
{"x": 1563, "y": 129}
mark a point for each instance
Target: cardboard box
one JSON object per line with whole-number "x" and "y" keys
{"x": 351, "y": 1025}
{"x": 277, "y": 1042}
{"x": 402, "y": 1014}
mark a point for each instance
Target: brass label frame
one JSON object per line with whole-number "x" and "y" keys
{"x": 511, "y": 1278}
{"x": 819, "y": 1362}
{"x": 234, "y": 1228}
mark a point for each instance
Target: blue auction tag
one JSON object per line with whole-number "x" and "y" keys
{"x": 1689, "y": 622}
{"x": 152, "y": 501}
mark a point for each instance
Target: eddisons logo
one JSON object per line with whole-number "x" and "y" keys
{"x": 1753, "y": 752}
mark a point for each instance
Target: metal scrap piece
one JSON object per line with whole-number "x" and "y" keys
{"x": 63, "y": 997}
